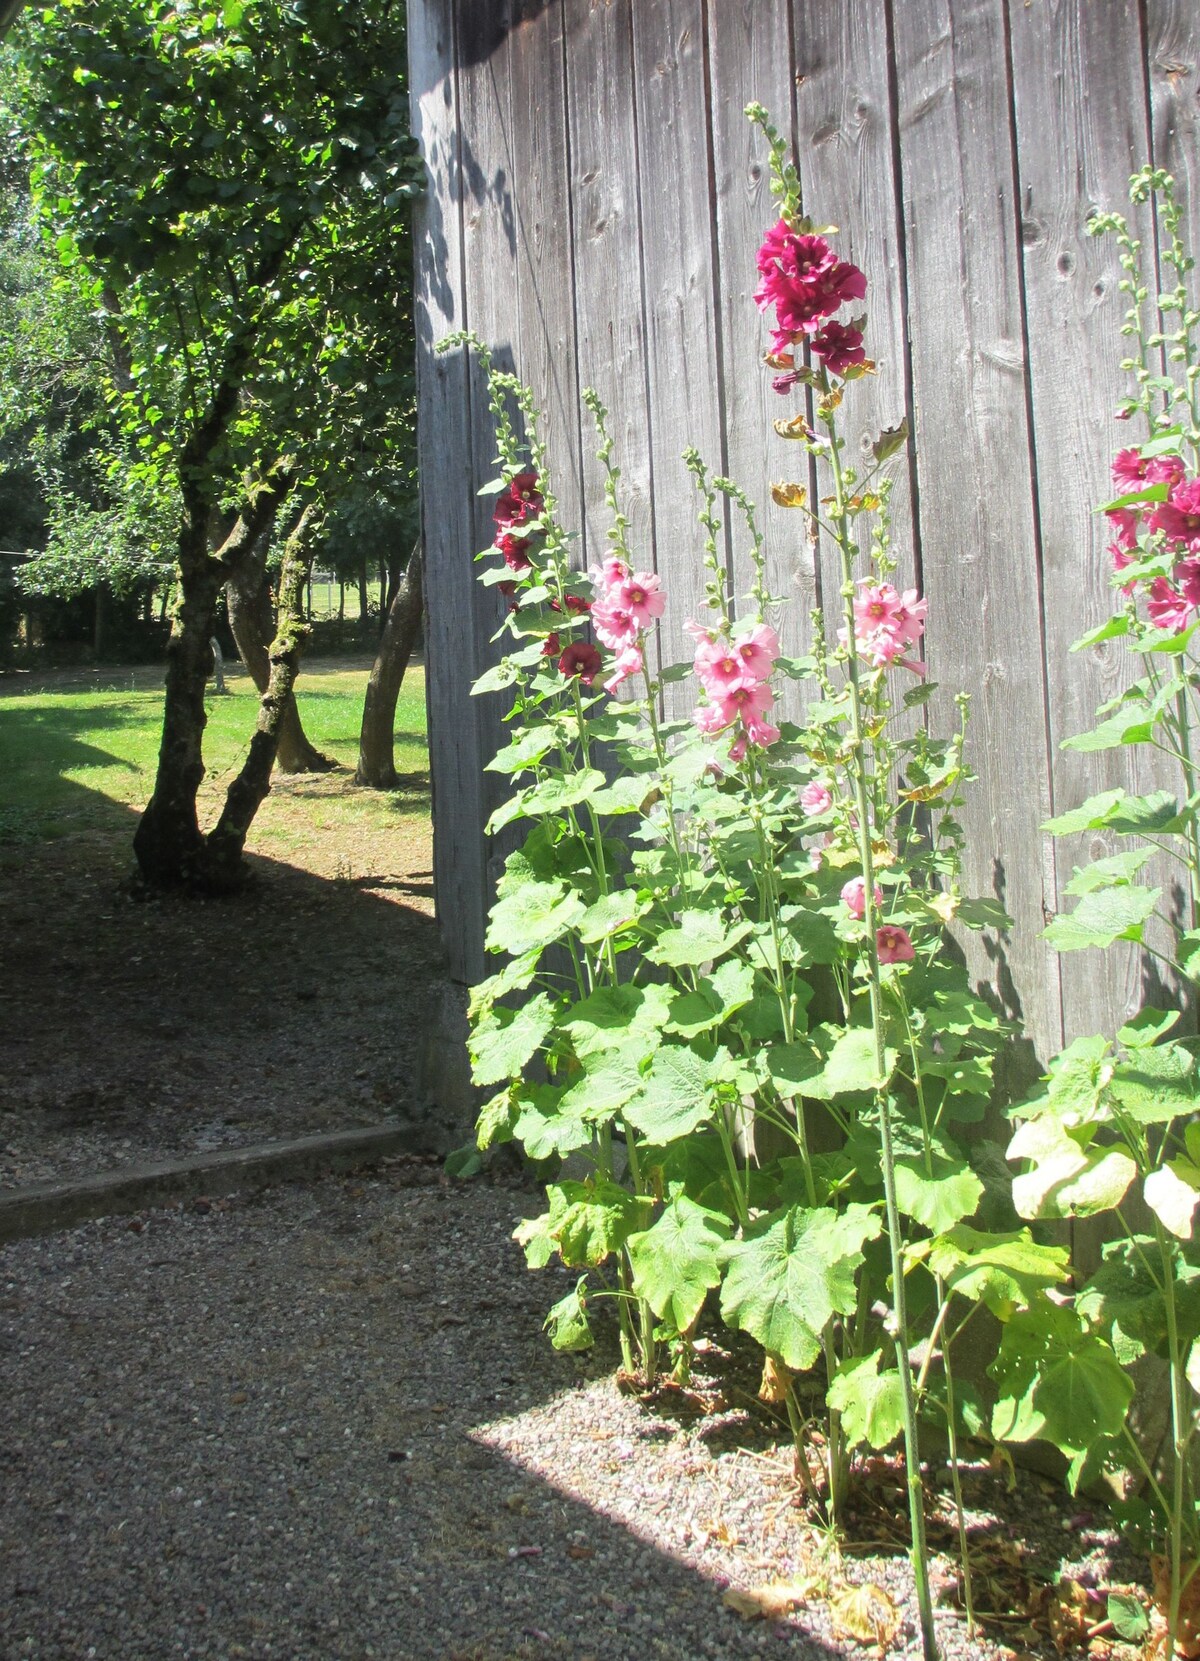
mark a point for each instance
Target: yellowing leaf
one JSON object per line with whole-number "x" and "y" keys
{"x": 771, "y": 1602}
{"x": 776, "y": 1381}
{"x": 1171, "y": 1200}
{"x": 789, "y": 495}
{"x": 945, "y": 905}
{"x": 779, "y": 360}
{"x": 829, "y": 403}
{"x": 855, "y": 371}
{"x": 797, "y": 427}
{"x": 866, "y": 1613}
{"x": 930, "y": 792}
{"x": 884, "y": 855}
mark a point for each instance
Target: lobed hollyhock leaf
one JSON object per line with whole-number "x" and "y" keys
{"x": 544, "y": 1127}
{"x": 1147, "y": 1027}
{"x": 1005, "y": 1271}
{"x": 698, "y": 937}
{"x": 567, "y": 1321}
{"x": 1117, "y": 870}
{"x": 597, "y": 1218}
{"x": 628, "y": 1018}
{"x": 1068, "y": 1177}
{"x": 1157, "y": 1084}
{"x": 676, "y": 1095}
{"x": 940, "y": 1200}
{"x": 791, "y": 1273}
{"x": 535, "y": 915}
{"x": 1127, "y": 726}
{"x": 1104, "y": 916}
{"x": 1056, "y": 1383}
{"x": 609, "y": 915}
{"x": 871, "y": 1403}
{"x": 563, "y": 790}
{"x": 1124, "y": 1301}
{"x": 677, "y": 1261}
{"x": 504, "y": 1039}
{"x": 1113, "y": 629}
{"x": 1171, "y": 1198}
{"x": 1090, "y": 815}
{"x": 497, "y": 1121}
{"x": 524, "y": 751}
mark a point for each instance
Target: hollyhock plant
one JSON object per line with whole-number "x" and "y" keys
{"x": 519, "y": 502}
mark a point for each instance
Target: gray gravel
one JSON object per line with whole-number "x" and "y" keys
{"x": 324, "y": 1423}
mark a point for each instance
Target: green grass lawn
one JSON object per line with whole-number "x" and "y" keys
{"x": 68, "y": 758}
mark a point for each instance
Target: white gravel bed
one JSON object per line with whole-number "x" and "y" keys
{"x": 324, "y": 1423}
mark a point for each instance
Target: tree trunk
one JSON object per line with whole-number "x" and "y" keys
{"x": 100, "y": 621}
{"x": 252, "y": 624}
{"x": 376, "y": 751}
{"x": 245, "y": 795}
{"x": 167, "y": 842}
{"x": 364, "y": 604}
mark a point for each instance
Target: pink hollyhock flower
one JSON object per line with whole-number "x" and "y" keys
{"x": 580, "y": 659}
{"x": 854, "y": 897}
{"x": 628, "y": 662}
{"x": 519, "y": 502}
{"x": 839, "y": 345}
{"x": 893, "y": 945}
{"x": 1165, "y": 470}
{"x": 616, "y": 627}
{"x": 719, "y": 666}
{"x": 750, "y": 700}
{"x": 641, "y": 596}
{"x": 1128, "y": 469}
{"x": 709, "y": 719}
{"x": 910, "y": 621}
{"x": 876, "y": 606}
{"x": 1125, "y": 523}
{"x": 1178, "y": 518}
{"x": 613, "y": 571}
{"x": 760, "y": 732}
{"x": 758, "y": 651}
{"x": 804, "y": 280}
{"x": 815, "y": 798}
{"x": 515, "y": 550}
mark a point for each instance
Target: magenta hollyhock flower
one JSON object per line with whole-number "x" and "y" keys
{"x": 515, "y": 550}
{"x": 627, "y": 662}
{"x": 582, "y": 659}
{"x": 1166, "y": 470}
{"x": 1125, "y": 523}
{"x": 640, "y": 595}
{"x": 615, "y": 626}
{"x": 840, "y": 345}
{"x": 893, "y": 945}
{"x": 804, "y": 280}
{"x": 1167, "y": 607}
{"x": 1128, "y": 469}
{"x": 719, "y": 666}
{"x": 519, "y": 502}
{"x": 1178, "y": 518}
{"x": 816, "y": 798}
{"x": 507, "y": 588}
{"x": 854, "y": 897}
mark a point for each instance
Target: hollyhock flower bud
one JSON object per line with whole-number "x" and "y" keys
{"x": 815, "y": 798}
{"x": 839, "y": 345}
{"x": 1178, "y": 518}
{"x": 628, "y": 662}
{"x": 854, "y": 897}
{"x": 552, "y": 647}
{"x": 519, "y": 502}
{"x": 582, "y": 659}
{"x": 893, "y": 945}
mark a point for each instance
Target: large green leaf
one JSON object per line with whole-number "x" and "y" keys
{"x": 1078, "y": 1078}
{"x": 534, "y": 915}
{"x": 505, "y": 1039}
{"x": 609, "y": 915}
{"x": 1103, "y": 916}
{"x": 627, "y": 1018}
{"x": 791, "y": 1274}
{"x": 1117, "y": 871}
{"x": 676, "y": 1095}
{"x": 1056, "y": 1383}
{"x": 940, "y": 1200}
{"x": 567, "y": 1322}
{"x": 848, "y": 1063}
{"x": 1068, "y": 1175}
{"x": 698, "y": 937}
{"x": 594, "y": 1219}
{"x": 871, "y": 1403}
{"x": 544, "y": 1127}
{"x": 1005, "y": 1271}
{"x": 1157, "y": 1084}
{"x": 677, "y": 1262}
{"x": 563, "y": 790}
{"x": 1131, "y": 725}
{"x": 1124, "y": 1298}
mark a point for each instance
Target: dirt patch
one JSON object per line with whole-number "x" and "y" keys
{"x": 138, "y": 1028}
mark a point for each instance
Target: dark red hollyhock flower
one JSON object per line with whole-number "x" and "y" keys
{"x": 519, "y": 502}
{"x": 507, "y": 589}
{"x": 515, "y": 550}
{"x": 574, "y": 603}
{"x": 552, "y": 647}
{"x": 840, "y": 345}
{"x": 580, "y": 659}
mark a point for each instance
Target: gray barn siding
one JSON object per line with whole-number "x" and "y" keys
{"x": 596, "y": 199}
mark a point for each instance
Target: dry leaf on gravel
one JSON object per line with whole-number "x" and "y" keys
{"x": 1187, "y": 1638}
{"x": 1071, "y": 1614}
{"x": 866, "y": 1613}
{"x": 776, "y": 1381}
{"x": 771, "y": 1602}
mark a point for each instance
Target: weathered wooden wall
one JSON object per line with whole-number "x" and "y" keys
{"x": 596, "y": 199}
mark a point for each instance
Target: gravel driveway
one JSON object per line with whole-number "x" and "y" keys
{"x": 324, "y": 1423}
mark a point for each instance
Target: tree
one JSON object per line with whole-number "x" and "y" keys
{"x": 228, "y": 183}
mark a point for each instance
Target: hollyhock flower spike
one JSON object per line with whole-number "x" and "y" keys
{"x": 893, "y": 945}
{"x": 854, "y": 897}
{"x": 582, "y": 659}
{"x": 519, "y": 502}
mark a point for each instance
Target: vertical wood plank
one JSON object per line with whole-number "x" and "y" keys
{"x": 750, "y": 56}
{"x": 446, "y": 492}
{"x": 1075, "y": 154}
{"x": 846, "y": 143}
{"x": 977, "y": 531}
{"x": 607, "y": 259}
{"x": 490, "y": 189}
{"x": 542, "y": 212}
{"x": 677, "y": 254}
{"x": 1173, "y": 56}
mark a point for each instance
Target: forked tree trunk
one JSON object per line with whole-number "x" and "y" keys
{"x": 227, "y": 840}
{"x": 252, "y": 624}
{"x": 376, "y": 743}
